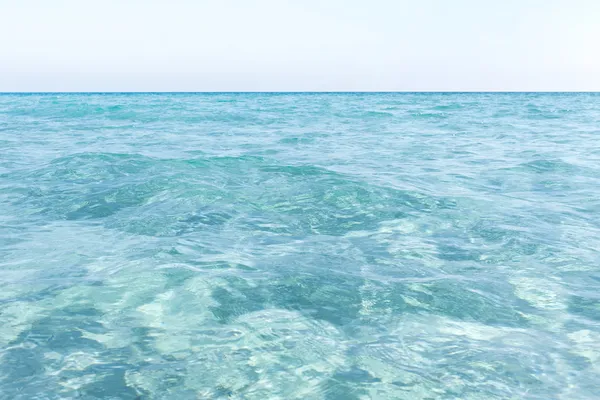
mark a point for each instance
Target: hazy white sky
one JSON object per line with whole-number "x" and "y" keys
{"x": 301, "y": 45}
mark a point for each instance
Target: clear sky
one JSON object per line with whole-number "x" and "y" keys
{"x": 301, "y": 45}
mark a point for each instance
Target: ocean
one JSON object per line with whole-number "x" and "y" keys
{"x": 300, "y": 246}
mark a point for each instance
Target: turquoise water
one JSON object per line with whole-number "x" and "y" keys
{"x": 300, "y": 246}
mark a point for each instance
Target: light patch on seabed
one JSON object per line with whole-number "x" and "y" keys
{"x": 317, "y": 346}
{"x": 72, "y": 363}
{"x": 407, "y": 361}
{"x": 540, "y": 293}
{"x": 401, "y": 226}
{"x": 587, "y": 344}
{"x": 368, "y": 292}
{"x": 175, "y": 316}
{"x": 17, "y": 317}
{"x": 74, "y": 384}
{"x": 546, "y": 295}
{"x": 405, "y": 240}
{"x": 277, "y": 354}
{"x": 78, "y": 361}
{"x": 386, "y": 229}
{"x": 115, "y": 305}
{"x": 414, "y": 248}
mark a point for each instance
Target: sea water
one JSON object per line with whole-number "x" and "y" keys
{"x": 300, "y": 246}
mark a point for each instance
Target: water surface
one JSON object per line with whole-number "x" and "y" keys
{"x": 300, "y": 246}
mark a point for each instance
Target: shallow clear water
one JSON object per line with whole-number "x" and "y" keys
{"x": 300, "y": 246}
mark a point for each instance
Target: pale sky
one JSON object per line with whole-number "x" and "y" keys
{"x": 301, "y": 45}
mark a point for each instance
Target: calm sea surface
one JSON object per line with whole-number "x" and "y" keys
{"x": 300, "y": 246}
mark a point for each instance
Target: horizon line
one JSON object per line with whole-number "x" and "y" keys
{"x": 314, "y": 92}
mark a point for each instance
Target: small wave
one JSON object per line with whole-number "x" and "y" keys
{"x": 297, "y": 140}
{"x": 547, "y": 166}
{"x": 448, "y": 107}
{"x": 429, "y": 115}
